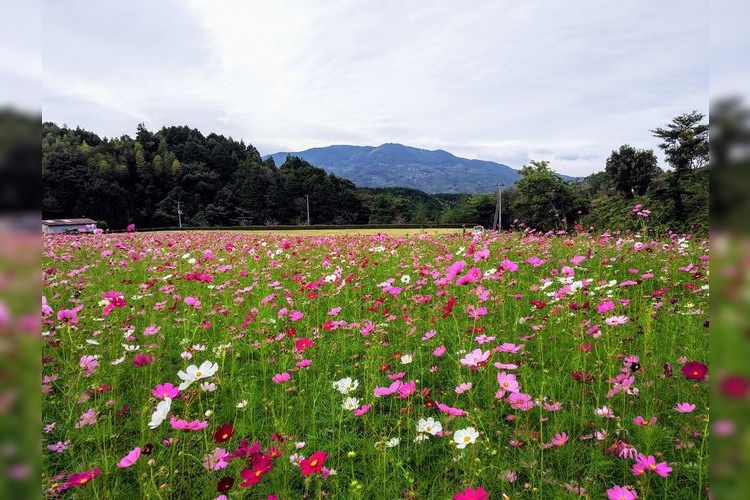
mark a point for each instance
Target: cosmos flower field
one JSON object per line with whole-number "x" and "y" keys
{"x": 259, "y": 365}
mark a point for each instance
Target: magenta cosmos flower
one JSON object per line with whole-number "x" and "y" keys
{"x": 165, "y": 390}
{"x": 472, "y": 494}
{"x": 644, "y": 464}
{"x": 695, "y": 370}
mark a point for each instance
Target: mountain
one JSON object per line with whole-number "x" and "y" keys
{"x": 392, "y": 165}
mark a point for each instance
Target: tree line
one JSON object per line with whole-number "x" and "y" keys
{"x": 222, "y": 182}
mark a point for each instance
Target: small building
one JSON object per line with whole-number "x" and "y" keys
{"x": 82, "y": 225}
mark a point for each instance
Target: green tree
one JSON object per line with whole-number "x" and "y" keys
{"x": 632, "y": 170}
{"x": 544, "y": 201}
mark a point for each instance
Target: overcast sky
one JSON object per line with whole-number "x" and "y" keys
{"x": 509, "y": 81}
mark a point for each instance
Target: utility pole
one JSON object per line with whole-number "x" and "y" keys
{"x": 179, "y": 215}
{"x": 307, "y": 199}
{"x": 497, "y": 222}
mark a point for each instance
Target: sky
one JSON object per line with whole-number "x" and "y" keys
{"x": 507, "y": 81}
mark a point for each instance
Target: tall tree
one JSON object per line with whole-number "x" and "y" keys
{"x": 685, "y": 146}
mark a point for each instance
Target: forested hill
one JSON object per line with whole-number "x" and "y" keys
{"x": 391, "y": 165}
{"x": 217, "y": 180}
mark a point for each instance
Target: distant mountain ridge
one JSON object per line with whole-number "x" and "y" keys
{"x": 396, "y": 165}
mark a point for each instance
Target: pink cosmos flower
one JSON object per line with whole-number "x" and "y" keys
{"x": 406, "y": 389}
{"x": 429, "y": 335}
{"x": 304, "y": 363}
{"x": 560, "y": 439}
{"x": 68, "y": 316}
{"x": 334, "y": 311}
{"x": 59, "y": 447}
{"x": 472, "y": 494}
{"x": 46, "y": 309}
{"x": 129, "y": 459}
{"x": 362, "y": 410}
{"x": 386, "y": 391}
{"x": 641, "y": 422}
{"x": 151, "y": 330}
{"x": 296, "y": 316}
{"x": 165, "y": 390}
{"x": 184, "y": 425}
{"x": 605, "y": 307}
{"x": 644, "y": 464}
{"x": 87, "y": 418}
{"x": 439, "y": 351}
{"x": 216, "y": 460}
{"x": 456, "y": 412}
{"x": 520, "y": 401}
{"x": 622, "y": 493}
{"x": 475, "y": 357}
{"x": 193, "y": 302}
{"x": 509, "y": 265}
{"x": 684, "y": 407}
{"x": 281, "y": 377}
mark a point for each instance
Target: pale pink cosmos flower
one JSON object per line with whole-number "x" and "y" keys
{"x": 560, "y": 439}
{"x": 216, "y": 460}
{"x": 508, "y": 383}
{"x": 88, "y": 363}
{"x": 463, "y": 387}
{"x": 475, "y": 357}
{"x": 429, "y": 335}
{"x": 151, "y": 330}
{"x": 59, "y": 447}
{"x": 520, "y": 401}
{"x": 87, "y": 418}
{"x": 684, "y": 407}
{"x": 439, "y": 351}
{"x": 621, "y": 493}
{"x": 616, "y": 320}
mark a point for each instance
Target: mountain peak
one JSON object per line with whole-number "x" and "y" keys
{"x": 392, "y": 164}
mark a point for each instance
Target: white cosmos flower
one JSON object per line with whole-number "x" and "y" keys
{"x": 193, "y": 373}
{"x": 405, "y": 279}
{"x": 464, "y": 437}
{"x": 406, "y": 359}
{"x": 429, "y": 426}
{"x": 350, "y": 404}
{"x": 162, "y": 409}
{"x": 393, "y": 442}
{"x": 346, "y": 385}
{"x": 242, "y": 403}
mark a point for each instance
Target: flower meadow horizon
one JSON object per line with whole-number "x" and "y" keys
{"x": 375, "y": 366}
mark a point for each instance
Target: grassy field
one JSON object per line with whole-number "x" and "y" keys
{"x": 403, "y": 365}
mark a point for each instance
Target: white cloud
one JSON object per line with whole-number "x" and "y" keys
{"x": 506, "y": 81}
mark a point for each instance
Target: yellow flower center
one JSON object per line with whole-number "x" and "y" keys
{"x": 467, "y": 439}
{"x": 198, "y": 374}
{"x": 652, "y": 466}
{"x": 695, "y": 374}
{"x": 84, "y": 480}
{"x": 506, "y": 384}
{"x": 258, "y": 473}
{"x": 314, "y": 463}
{"x": 225, "y": 436}
{"x": 428, "y": 428}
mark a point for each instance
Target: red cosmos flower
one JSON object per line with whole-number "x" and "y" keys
{"x": 262, "y": 464}
{"x": 303, "y": 343}
{"x": 582, "y": 376}
{"x": 223, "y": 433}
{"x": 735, "y": 386}
{"x": 695, "y": 370}
{"x": 314, "y": 463}
{"x": 447, "y": 308}
{"x": 225, "y": 484}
